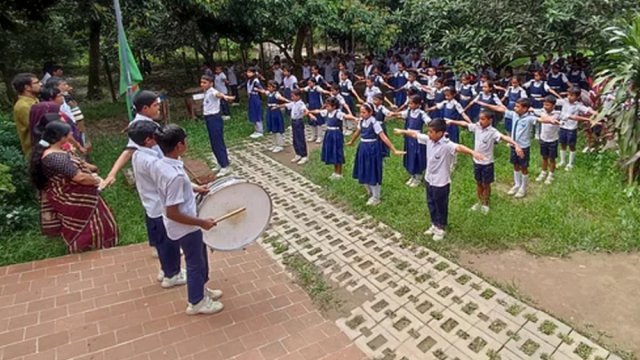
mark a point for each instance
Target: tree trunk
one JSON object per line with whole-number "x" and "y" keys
{"x": 262, "y": 59}
{"x": 93, "y": 91}
{"x": 297, "y": 46}
{"x": 7, "y": 80}
{"x": 112, "y": 89}
{"x": 309, "y": 42}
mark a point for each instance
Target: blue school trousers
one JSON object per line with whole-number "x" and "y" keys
{"x": 297, "y": 132}
{"x": 195, "y": 255}
{"x": 168, "y": 250}
{"x": 438, "y": 203}
{"x": 215, "y": 127}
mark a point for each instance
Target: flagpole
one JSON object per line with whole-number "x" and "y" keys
{"x": 124, "y": 65}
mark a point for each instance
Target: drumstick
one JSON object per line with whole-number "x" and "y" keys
{"x": 230, "y": 214}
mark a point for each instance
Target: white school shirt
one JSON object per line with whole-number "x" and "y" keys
{"x": 486, "y": 98}
{"x": 219, "y": 83}
{"x": 277, "y": 76}
{"x": 369, "y": 92}
{"x": 431, "y": 82}
{"x": 306, "y": 72}
{"x": 440, "y": 157}
{"x": 415, "y": 63}
{"x": 143, "y": 164}
{"x": 561, "y": 75}
{"x": 451, "y": 104}
{"x": 569, "y": 109}
{"x": 328, "y": 72}
{"x": 393, "y": 67}
{"x": 371, "y": 121}
{"x": 340, "y": 99}
{"x": 521, "y": 127}
{"x": 231, "y": 75}
{"x": 426, "y": 119}
{"x": 290, "y": 82}
{"x": 351, "y": 65}
{"x": 384, "y": 109}
{"x": 367, "y": 70}
{"x": 549, "y": 132}
{"x": 349, "y": 86}
{"x": 484, "y": 142}
{"x": 174, "y": 188}
{"x": 537, "y": 84}
{"x": 334, "y": 113}
{"x": 413, "y": 85}
{"x": 520, "y": 89}
{"x": 297, "y": 108}
{"x": 131, "y": 144}
{"x": 211, "y": 103}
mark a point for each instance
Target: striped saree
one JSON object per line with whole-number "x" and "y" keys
{"x": 75, "y": 212}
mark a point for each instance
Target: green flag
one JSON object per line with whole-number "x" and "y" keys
{"x": 129, "y": 73}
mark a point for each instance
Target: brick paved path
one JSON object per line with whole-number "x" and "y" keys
{"x": 107, "y": 305}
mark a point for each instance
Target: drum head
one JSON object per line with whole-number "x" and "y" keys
{"x": 227, "y": 195}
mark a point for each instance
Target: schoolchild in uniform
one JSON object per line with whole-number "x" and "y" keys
{"x": 313, "y": 91}
{"x": 487, "y": 96}
{"x": 333, "y": 143}
{"x": 485, "y": 138}
{"x": 538, "y": 89}
{"x": 429, "y": 80}
{"x": 317, "y": 77}
{"x": 143, "y": 163}
{"x": 400, "y": 79}
{"x": 220, "y": 83}
{"x": 511, "y": 96}
{"x": 335, "y": 93}
{"x": 380, "y": 112}
{"x": 466, "y": 93}
{"x": 557, "y": 80}
{"x": 549, "y": 136}
{"x": 233, "y": 83}
{"x": 570, "y": 113}
{"x": 212, "y": 105}
{"x": 275, "y": 120}
{"x": 298, "y": 112}
{"x": 451, "y": 110}
{"x": 367, "y": 167}
{"x": 255, "y": 103}
{"x": 348, "y": 92}
{"x": 277, "y": 72}
{"x": 180, "y": 219}
{"x": 306, "y": 70}
{"x": 367, "y": 69}
{"x": 441, "y": 154}
{"x": 415, "y": 157}
{"x": 289, "y": 82}
{"x": 438, "y": 96}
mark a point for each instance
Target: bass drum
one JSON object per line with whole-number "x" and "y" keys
{"x": 229, "y": 194}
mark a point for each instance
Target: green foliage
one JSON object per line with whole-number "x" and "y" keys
{"x": 620, "y": 76}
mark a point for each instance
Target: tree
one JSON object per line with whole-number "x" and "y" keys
{"x": 620, "y": 76}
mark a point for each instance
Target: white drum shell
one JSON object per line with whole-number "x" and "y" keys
{"x": 226, "y": 195}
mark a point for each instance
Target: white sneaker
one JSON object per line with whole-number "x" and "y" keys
{"x": 549, "y": 180}
{"x": 303, "y": 160}
{"x": 414, "y": 183}
{"x": 586, "y": 149}
{"x": 178, "y": 279}
{"x": 484, "y": 209}
{"x": 438, "y": 234}
{"x": 319, "y": 140}
{"x": 224, "y": 171}
{"x": 348, "y": 132}
{"x": 335, "y": 176}
{"x": 271, "y": 148}
{"x": 409, "y": 181}
{"x": 476, "y": 207}
{"x": 277, "y": 149}
{"x": 373, "y": 201}
{"x": 254, "y": 135}
{"x": 513, "y": 190}
{"x": 154, "y": 252}
{"x": 205, "y": 306}
{"x": 214, "y": 294}
{"x": 160, "y": 275}
{"x": 559, "y": 165}
{"x": 569, "y": 167}
{"x": 541, "y": 177}
{"x": 235, "y": 104}
{"x": 430, "y": 231}
{"x": 311, "y": 139}
{"x": 226, "y": 117}
{"x": 296, "y": 158}
{"x": 259, "y": 135}
{"x": 520, "y": 194}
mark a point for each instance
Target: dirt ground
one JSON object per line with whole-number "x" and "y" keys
{"x": 595, "y": 292}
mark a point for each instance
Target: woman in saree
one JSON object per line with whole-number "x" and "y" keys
{"x": 71, "y": 205}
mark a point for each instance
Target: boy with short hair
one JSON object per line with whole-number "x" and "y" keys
{"x": 220, "y": 84}
{"x": 569, "y": 118}
{"x": 298, "y": 111}
{"x": 143, "y": 163}
{"x": 485, "y": 138}
{"x": 441, "y": 154}
{"x": 180, "y": 218}
{"x": 549, "y": 135}
{"x": 211, "y": 109}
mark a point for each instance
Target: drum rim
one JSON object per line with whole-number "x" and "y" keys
{"x": 261, "y": 230}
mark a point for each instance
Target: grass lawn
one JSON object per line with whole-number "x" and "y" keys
{"x": 105, "y": 122}
{"x": 585, "y": 209}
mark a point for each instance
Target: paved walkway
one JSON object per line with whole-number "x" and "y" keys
{"x": 107, "y": 305}
{"x": 423, "y": 306}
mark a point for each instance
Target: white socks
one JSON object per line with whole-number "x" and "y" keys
{"x": 563, "y": 156}
{"x": 375, "y": 191}
{"x": 572, "y": 158}
{"x": 258, "y": 127}
{"x": 517, "y": 178}
{"x": 279, "y": 139}
{"x": 525, "y": 181}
